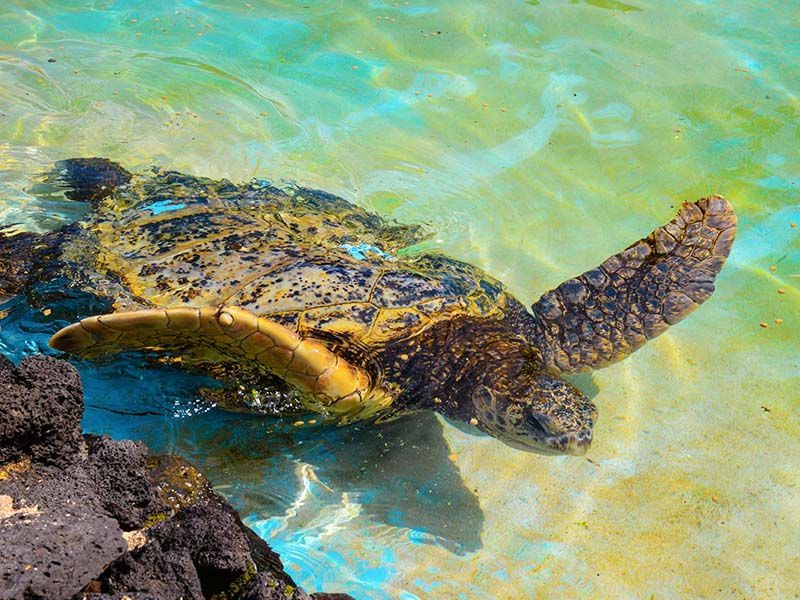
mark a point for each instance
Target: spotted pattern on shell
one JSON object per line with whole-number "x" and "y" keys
{"x": 282, "y": 256}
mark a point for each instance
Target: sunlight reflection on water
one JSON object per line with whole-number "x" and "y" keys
{"x": 534, "y": 139}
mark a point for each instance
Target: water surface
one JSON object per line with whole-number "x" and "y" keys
{"x": 533, "y": 139}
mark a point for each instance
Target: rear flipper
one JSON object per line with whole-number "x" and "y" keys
{"x": 602, "y": 316}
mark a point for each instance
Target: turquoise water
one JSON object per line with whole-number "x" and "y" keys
{"x": 533, "y": 139}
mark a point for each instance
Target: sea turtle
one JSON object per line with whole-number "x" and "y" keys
{"x": 294, "y": 297}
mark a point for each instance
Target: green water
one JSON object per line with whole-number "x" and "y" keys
{"x": 534, "y": 139}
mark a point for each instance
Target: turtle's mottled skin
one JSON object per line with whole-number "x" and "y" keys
{"x": 306, "y": 293}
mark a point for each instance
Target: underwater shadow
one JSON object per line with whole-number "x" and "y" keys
{"x": 399, "y": 473}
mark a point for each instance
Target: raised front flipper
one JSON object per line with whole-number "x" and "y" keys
{"x": 600, "y": 317}
{"x": 330, "y": 384}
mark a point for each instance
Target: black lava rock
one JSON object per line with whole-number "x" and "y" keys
{"x": 152, "y": 569}
{"x": 42, "y": 405}
{"x": 120, "y": 477}
{"x": 53, "y": 551}
{"x": 92, "y": 518}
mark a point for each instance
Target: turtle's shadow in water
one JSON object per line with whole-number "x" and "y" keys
{"x": 399, "y": 472}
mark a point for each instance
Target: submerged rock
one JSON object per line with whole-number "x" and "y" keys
{"x": 90, "y": 517}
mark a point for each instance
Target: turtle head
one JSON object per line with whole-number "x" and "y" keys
{"x": 545, "y": 415}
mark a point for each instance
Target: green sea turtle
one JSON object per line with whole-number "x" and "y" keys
{"x": 300, "y": 299}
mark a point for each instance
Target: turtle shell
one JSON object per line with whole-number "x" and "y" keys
{"x": 309, "y": 260}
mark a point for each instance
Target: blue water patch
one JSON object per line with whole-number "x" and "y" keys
{"x": 748, "y": 61}
{"x": 360, "y": 251}
{"x": 775, "y": 160}
{"x": 163, "y": 206}
{"x": 257, "y": 183}
{"x": 775, "y": 182}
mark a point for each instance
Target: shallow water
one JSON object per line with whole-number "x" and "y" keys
{"x": 535, "y": 139}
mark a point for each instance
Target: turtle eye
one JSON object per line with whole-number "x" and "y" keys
{"x": 538, "y": 424}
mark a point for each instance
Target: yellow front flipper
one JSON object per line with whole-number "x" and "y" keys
{"x": 330, "y": 383}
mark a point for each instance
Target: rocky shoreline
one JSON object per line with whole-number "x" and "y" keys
{"x": 87, "y": 517}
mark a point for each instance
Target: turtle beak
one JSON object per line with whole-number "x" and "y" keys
{"x": 574, "y": 444}
{"x": 579, "y": 443}
{"x": 540, "y": 427}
